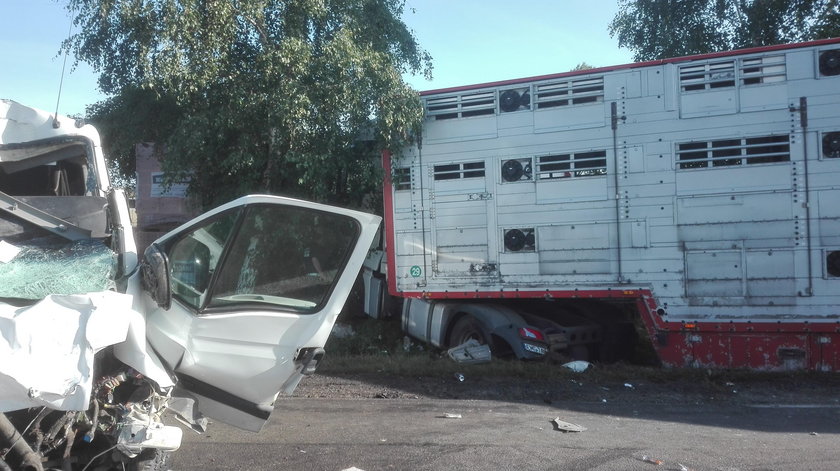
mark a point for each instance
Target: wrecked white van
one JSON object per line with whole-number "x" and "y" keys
{"x": 216, "y": 319}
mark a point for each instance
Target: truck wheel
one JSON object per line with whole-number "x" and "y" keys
{"x": 468, "y": 328}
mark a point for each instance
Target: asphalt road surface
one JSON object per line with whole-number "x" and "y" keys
{"x": 625, "y": 430}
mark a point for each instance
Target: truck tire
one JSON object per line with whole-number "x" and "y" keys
{"x": 468, "y": 328}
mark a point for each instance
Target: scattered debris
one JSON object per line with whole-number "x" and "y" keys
{"x": 387, "y": 394}
{"x": 604, "y": 401}
{"x": 470, "y": 352}
{"x": 449, "y": 415}
{"x": 459, "y": 377}
{"x": 563, "y": 426}
{"x": 342, "y": 331}
{"x": 682, "y": 467}
{"x": 648, "y": 459}
{"x": 814, "y": 434}
{"x": 629, "y": 386}
{"x": 352, "y": 468}
{"x": 578, "y": 366}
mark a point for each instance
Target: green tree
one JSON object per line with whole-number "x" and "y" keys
{"x": 658, "y": 29}
{"x": 247, "y": 96}
{"x": 582, "y": 66}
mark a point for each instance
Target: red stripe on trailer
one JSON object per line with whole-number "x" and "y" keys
{"x": 632, "y": 65}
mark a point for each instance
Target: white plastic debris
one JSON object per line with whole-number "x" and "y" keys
{"x": 450, "y": 415}
{"x": 564, "y": 426}
{"x": 470, "y": 352}
{"x": 628, "y": 386}
{"x": 342, "y": 331}
{"x": 8, "y": 251}
{"x": 578, "y": 366}
{"x": 352, "y": 468}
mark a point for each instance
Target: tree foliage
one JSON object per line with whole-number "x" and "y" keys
{"x": 279, "y": 96}
{"x": 658, "y": 29}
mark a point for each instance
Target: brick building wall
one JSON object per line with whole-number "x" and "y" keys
{"x": 158, "y": 209}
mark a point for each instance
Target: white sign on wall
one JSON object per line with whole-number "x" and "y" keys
{"x": 176, "y": 190}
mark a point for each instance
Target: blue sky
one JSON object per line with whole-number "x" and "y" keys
{"x": 471, "y": 41}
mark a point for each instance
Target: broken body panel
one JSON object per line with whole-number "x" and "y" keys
{"x": 219, "y": 316}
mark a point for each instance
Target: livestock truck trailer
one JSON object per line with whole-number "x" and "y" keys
{"x": 689, "y": 204}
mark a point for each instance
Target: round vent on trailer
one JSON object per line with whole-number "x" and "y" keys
{"x": 514, "y": 240}
{"x": 831, "y": 145}
{"x": 509, "y": 100}
{"x": 830, "y": 62}
{"x": 530, "y": 240}
{"x": 525, "y": 100}
{"x": 512, "y": 171}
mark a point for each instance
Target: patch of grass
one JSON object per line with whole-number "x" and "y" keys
{"x": 370, "y": 337}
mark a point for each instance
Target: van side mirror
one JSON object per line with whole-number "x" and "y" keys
{"x": 155, "y": 273}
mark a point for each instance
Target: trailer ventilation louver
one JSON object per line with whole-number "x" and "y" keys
{"x": 401, "y": 178}
{"x": 517, "y": 170}
{"x": 459, "y": 171}
{"x": 520, "y": 240}
{"x": 577, "y": 165}
{"x": 830, "y": 62}
{"x": 831, "y": 145}
{"x": 514, "y": 100}
{"x": 570, "y": 92}
{"x": 707, "y": 76}
{"x": 832, "y": 263}
{"x": 764, "y": 69}
{"x": 462, "y": 105}
{"x": 732, "y": 152}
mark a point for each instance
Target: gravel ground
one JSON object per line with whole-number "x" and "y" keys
{"x": 817, "y": 389}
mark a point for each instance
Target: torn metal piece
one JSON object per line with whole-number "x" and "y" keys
{"x": 470, "y": 352}
{"x": 563, "y": 426}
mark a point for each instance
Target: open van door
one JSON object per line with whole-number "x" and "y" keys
{"x": 240, "y": 301}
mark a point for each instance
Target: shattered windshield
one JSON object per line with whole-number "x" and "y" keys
{"x": 33, "y": 272}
